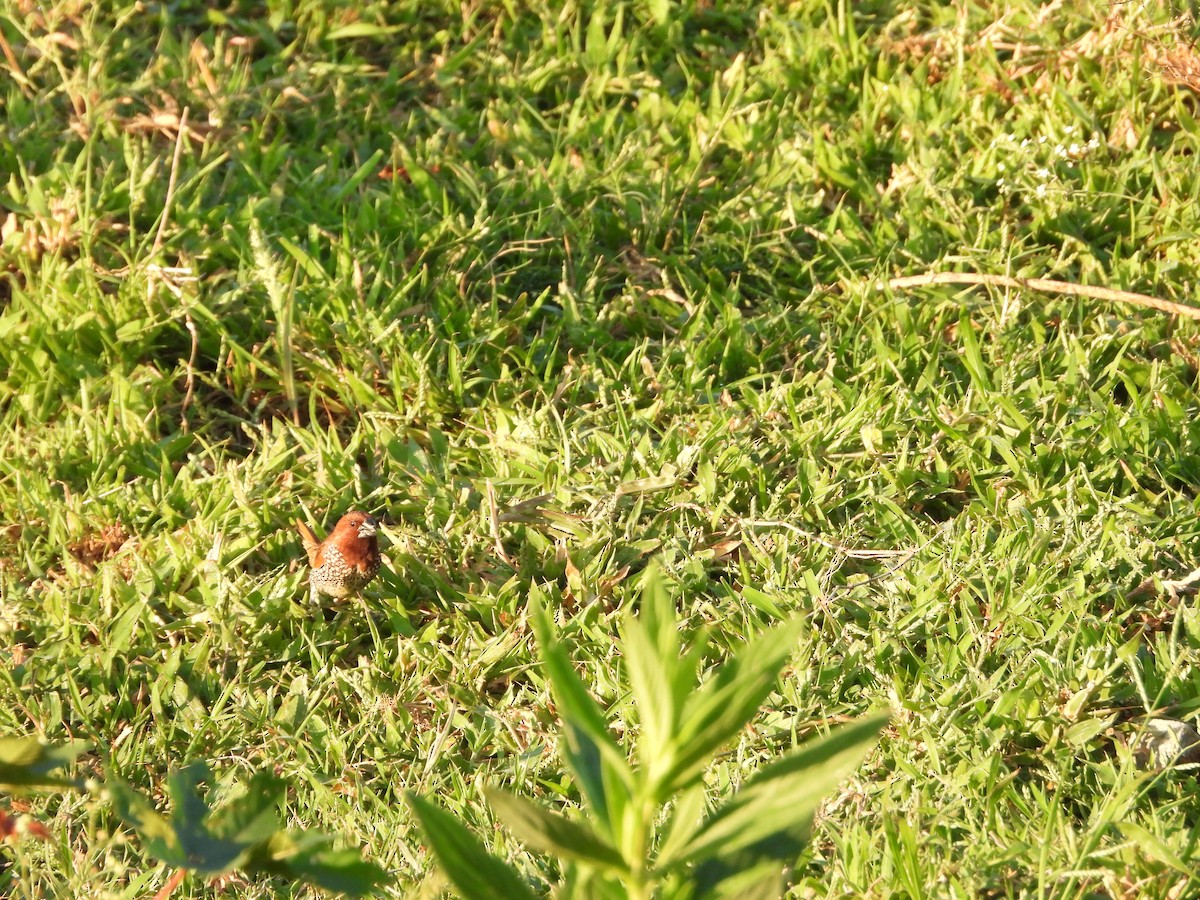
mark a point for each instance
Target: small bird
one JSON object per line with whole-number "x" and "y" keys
{"x": 344, "y": 562}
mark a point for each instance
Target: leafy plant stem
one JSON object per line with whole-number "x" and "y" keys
{"x": 640, "y": 880}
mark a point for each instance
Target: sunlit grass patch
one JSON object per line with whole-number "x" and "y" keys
{"x": 558, "y": 290}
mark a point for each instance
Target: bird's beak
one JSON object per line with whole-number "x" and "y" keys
{"x": 367, "y": 528}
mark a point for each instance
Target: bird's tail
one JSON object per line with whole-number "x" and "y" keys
{"x": 308, "y": 539}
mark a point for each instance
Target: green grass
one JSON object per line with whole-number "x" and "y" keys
{"x": 435, "y": 260}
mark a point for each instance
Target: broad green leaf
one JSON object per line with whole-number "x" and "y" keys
{"x": 651, "y": 645}
{"x": 773, "y": 813}
{"x": 184, "y": 840}
{"x": 686, "y": 668}
{"x": 341, "y": 871}
{"x": 183, "y": 787}
{"x": 243, "y": 833}
{"x": 207, "y": 850}
{"x": 476, "y": 873}
{"x": 553, "y": 833}
{"x": 153, "y": 828}
{"x": 656, "y": 613}
{"x": 574, "y": 698}
{"x": 253, "y": 816}
{"x": 759, "y": 882}
{"x": 585, "y": 883}
{"x": 650, "y": 676}
{"x": 599, "y": 764}
{"x": 25, "y": 762}
{"x": 309, "y": 857}
{"x": 686, "y": 818}
{"x": 619, "y": 787}
{"x": 723, "y": 706}
{"x": 662, "y": 677}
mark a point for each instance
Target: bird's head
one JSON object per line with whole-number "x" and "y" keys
{"x": 357, "y": 523}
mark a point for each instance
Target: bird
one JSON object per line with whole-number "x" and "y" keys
{"x": 344, "y": 562}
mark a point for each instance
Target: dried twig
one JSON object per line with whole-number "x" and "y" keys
{"x": 190, "y": 381}
{"x": 851, "y": 552}
{"x": 160, "y": 272}
{"x": 494, "y": 522}
{"x": 523, "y": 511}
{"x": 180, "y": 137}
{"x": 1048, "y": 285}
{"x": 1188, "y": 584}
{"x": 908, "y": 556}
{"x": 18, "y": 74}
{"x": 902, "y": 557}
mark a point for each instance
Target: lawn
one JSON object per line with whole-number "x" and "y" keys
{"x": 560, "y": 289}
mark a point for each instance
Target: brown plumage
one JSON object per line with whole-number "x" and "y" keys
{"x": 344, "y": 562}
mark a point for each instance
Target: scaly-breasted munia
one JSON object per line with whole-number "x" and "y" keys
{"x": 344, "y": 562}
